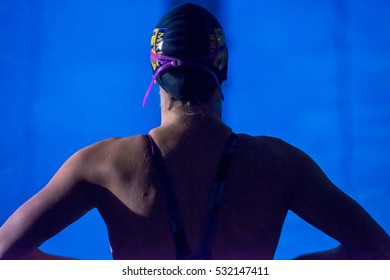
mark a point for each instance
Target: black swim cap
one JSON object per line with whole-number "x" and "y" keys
{"x": 189, "y": 55}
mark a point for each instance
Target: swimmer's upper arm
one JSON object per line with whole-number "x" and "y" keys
{"x": 62, "y": 201}
{"x": 318, "y": 201}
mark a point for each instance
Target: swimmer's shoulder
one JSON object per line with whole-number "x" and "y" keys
{"x": 278, "y": 154}
{"x": 104, "y": 159}
{"x": 268, "y": 144}
{"x": 270, "y": 157}
{"x": 112, "y": 147}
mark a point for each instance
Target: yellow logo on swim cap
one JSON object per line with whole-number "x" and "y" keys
{"x": 156, "y": 43}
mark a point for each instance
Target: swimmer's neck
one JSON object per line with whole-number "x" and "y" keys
{"x": 174, "y": 112}
{"x": 190, "y": 119}
{"x": 176, "y": 127}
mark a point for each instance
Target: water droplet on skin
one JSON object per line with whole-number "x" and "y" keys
{"x": 148, "y": 159}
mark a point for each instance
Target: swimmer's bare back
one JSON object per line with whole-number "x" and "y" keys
{"x": 118, "y": 176}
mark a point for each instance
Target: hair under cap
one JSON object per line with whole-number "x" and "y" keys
{"x": 189, "y": 55}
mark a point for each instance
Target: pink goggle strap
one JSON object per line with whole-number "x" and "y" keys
{"x": 168, "y": 62}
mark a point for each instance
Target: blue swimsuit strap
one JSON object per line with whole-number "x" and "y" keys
{"x": 203, "y": 251}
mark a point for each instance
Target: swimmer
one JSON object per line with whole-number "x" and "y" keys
{"x": 191, "y": 188}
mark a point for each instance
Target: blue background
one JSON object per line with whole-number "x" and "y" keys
{"x": 314, "y": 73}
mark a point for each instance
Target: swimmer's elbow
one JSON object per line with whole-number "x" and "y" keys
{"x": 4, "y": 247}
{"x": 21, "y": 254}
{"x": 377, "y": 253}
{"x": 10, "y": 249}
{"x": 338, "y": 253}
{"x": 13, "y": 254}
{"x": 341, "y": 253}
{"x": 373, "y": 243}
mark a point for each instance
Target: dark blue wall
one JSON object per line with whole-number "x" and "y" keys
{"x": 314, "y": 73}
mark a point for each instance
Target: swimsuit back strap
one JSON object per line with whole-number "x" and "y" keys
{"x": 214, "y": 204}
{"x": 203, "y": 251}
{"x": 179, "y": 235}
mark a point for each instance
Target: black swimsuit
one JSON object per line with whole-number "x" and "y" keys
{"x": 203, "y": 251}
